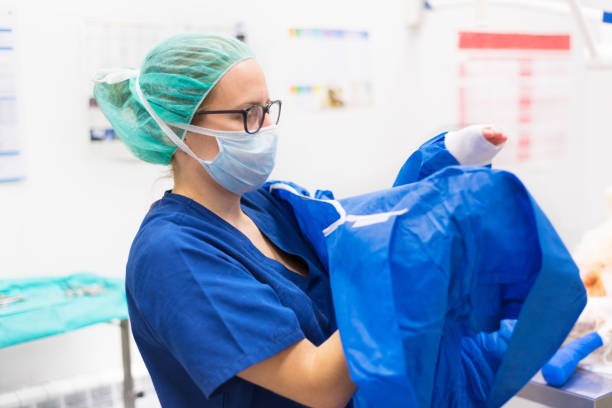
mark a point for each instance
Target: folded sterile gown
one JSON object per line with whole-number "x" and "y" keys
{"x": 450, "y": 289}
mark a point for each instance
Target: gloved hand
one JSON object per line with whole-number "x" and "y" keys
{"x": 494, "y": 344}
{"x": 475, "y": 145}
{"x": 481, "y": 357}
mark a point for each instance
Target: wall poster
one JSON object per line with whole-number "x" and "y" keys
{"x": 521, "y": 82}
{"x": 11, "y": 151}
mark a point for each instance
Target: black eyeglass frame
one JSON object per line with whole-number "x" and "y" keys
{"x": 245, "y": 112}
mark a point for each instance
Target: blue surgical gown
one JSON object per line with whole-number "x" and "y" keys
{"x": 205, "y": 304}
{"x": 429, "y": 276}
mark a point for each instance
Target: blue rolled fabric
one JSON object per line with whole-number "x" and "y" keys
{"x": 422, "y": 276}
{"x": 563, "y": 364}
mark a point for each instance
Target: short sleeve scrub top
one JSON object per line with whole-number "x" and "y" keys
{"x": 205, "y": 303}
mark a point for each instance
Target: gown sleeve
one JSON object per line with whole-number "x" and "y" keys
{"x": 429, "y": 158}
{"x": 208, "y": 310}
{"x": 462, "y": 147}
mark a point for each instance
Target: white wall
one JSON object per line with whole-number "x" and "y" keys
{"x": 78, "y": 209}
{"x": 569, "y": 188}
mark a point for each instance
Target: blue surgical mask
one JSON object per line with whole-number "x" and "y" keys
{"x": 244, "y": 161}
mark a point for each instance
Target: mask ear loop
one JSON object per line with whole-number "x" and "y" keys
{"x": 164, "y": 127}
{"x": 222, "y": 134}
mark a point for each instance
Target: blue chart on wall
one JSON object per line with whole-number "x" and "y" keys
{"x": 11, "y": 165}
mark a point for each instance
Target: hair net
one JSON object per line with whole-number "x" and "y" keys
{"x": 175, "y": 77}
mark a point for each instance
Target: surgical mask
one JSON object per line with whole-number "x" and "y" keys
{"x": 244, "y": 161}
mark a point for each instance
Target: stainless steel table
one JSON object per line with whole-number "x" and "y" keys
{"x": 584, "y": 389}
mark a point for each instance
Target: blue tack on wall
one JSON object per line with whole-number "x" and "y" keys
{"x": 607, "y": 17}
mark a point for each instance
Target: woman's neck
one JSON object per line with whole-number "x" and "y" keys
{"x": 196, "y": 184}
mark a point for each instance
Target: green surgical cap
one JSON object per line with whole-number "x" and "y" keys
{"x": 175, "y": 77}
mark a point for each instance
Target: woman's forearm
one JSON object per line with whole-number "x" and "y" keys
{"x": 330, "y": 373}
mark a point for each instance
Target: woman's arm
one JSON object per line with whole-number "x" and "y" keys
{"x": 473, "y": 145}
{"x": 311, "y": 375}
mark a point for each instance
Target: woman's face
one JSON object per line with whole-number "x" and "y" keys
{"x": 242, "y": 86}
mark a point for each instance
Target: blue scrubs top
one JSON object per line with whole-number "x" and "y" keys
{"x": 205, "y": 304}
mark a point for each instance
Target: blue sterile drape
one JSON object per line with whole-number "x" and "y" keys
{"x": 45, "y": 306}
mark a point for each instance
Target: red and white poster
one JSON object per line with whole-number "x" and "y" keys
{"x": 521, "y": 83}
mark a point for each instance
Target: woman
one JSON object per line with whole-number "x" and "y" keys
{"x": 228, "y": 303}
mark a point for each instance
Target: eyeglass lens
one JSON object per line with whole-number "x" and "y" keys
{"x": 255, "y": 116}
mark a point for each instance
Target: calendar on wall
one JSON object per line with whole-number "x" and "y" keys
{"x": 11, "y": 149}
{"x": 329, "y": 68}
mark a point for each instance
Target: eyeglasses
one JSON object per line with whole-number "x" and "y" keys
{"x": 253, "y": 116}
